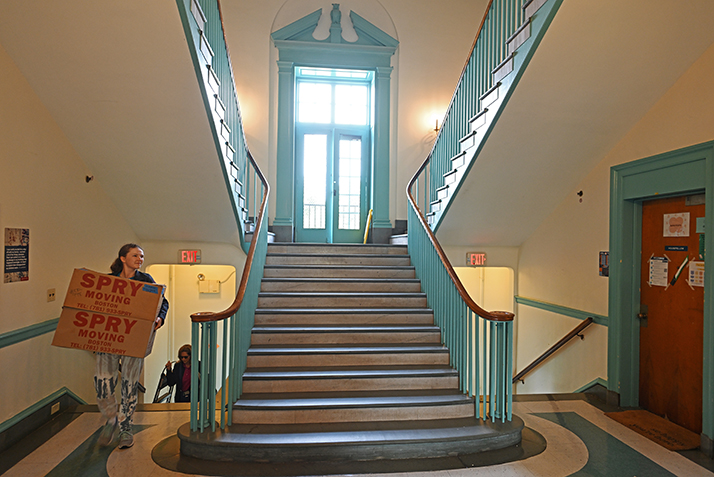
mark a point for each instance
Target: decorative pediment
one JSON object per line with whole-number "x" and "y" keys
{"x": 303, "y": 30}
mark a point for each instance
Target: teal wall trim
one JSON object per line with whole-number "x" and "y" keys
{"x": 592, "y": 383}
{"x": 372, "y": 51}
{"x": 562, "y": 310}
{"x": 680, "y": 172}
{"x": 39, "y": 405}
{"x": 28, "y": 332}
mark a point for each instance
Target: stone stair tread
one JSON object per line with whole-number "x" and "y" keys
{"x": 346, "y": 349}
{"x": 345, "y": 329}
{"x": 340, "y": 266}
{"x": 341, "y": 280}
{"x": 341, "y": 293}
{"x": 360, "y": 432}
{"x": 352, "y": 374}
{"x": 342, "y": 255}
{"x": 351, "y": 402}
{"x": 343, "y": 310}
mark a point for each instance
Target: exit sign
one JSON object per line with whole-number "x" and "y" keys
{"x": 476, "y": 259}
{"x": 189, "y": 256}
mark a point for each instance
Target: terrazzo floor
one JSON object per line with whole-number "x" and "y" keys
{"x": 581, "y": 441}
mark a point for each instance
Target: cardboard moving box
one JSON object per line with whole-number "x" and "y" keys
{"x": 109, "y": 314}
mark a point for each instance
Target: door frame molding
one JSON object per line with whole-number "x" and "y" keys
{"x": 679, "y": 172}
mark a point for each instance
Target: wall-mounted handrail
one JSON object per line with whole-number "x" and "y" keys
{"x": 563, "y": 341}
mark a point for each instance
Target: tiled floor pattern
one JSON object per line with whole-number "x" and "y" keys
{"x": 581, "y": 441}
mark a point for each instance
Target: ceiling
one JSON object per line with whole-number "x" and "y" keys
{"x": 600, "y": 67}
{"x": 118, "y": 80}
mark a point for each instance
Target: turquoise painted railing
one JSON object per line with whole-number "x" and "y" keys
{"x": 502, "y": 19}
{"x": 227, "y": 331}
{"x": 480, "y": 342}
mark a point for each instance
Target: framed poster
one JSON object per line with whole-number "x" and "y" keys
{"x": 17, "y": 255}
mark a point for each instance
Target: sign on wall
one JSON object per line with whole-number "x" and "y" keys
{"x": 17, "y": 255}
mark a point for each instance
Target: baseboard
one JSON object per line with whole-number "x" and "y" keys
{"x": 594, "y": 382}
{"x": 35, "y": 416}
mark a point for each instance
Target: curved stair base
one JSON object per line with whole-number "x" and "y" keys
{"x": 350, "y": 441}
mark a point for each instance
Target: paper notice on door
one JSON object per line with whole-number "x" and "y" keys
{"x": 659, "y": 269}
{"x": 696, "y": 273}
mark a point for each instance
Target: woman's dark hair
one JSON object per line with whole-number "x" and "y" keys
{"x": 118, "y": 265}
{"x": 185, "y": 348}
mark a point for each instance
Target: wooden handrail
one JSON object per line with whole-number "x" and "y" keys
{"x": 205, "y": 316}
{"x": 575, "y": 332}
{"x": 473, "y": 306}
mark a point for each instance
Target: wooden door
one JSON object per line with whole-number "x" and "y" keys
{"x": 671, "y": 343}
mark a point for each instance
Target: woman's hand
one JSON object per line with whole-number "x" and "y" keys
{"x": 158, "y": 323}
{"x": 168, "y": 365}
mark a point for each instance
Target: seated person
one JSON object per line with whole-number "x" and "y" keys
{"x": 180, "y": 376}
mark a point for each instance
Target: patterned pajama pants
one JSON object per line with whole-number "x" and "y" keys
{"x": 105, "y": 380}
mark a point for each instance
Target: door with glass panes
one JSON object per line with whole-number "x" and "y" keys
{"x": 332, "y": 152}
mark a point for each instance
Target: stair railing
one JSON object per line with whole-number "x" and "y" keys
{"x": 562, "y": 342}
{"x": 489, "y": 49}
{"x": 229, "y": 330}
{"x": 480, "y": 342}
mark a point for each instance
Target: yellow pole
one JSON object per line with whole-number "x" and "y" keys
{"x": 366, "y": 226}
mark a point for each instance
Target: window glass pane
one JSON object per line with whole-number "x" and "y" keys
{"x": 314, "y": 181}
{"x": 350, "y": 150}
{"x": 314, "y": 103}
{"x": 351, "y": 104}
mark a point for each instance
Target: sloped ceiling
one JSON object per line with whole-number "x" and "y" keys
{"x": 601, "y": 66}
{"x": 118, "y": 80}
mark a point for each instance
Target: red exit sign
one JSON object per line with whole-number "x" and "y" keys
{"x": 476, "y": 259}
{"x": 189, "y": 256}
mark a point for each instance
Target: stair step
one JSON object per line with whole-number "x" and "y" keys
{"x": 333, "y": 259}
{"x": 325, "y": 249}
{"x": 355, "y": 441}
{"x": 337, "y": 271}
{"x": 336, "y": 316}
{"x": 257, "y": 409}
{"x": 310, "y": 356}
{"x": 341, "y": 284}
{"x": 326, "y": 380}
{"x": 340, "y": 300}
{"x": 282, "y": 335}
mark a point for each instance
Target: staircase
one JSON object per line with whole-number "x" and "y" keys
{"x": 346, "y": 363}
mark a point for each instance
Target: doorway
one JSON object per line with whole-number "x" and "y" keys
{"x": 684, "y": 171}
{"x": 333, "y": 154}
{"x": 672, "y": 309}
{"x": 331, "y": 186}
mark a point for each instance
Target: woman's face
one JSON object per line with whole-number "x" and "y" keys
{"x": 133, "y": 259}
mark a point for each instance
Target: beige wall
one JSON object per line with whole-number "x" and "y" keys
{"x": 435, "y": 39}
{"x": 184, "y": 298}
{"x": 72, "y": 224}
{"x": 559, "y": 262}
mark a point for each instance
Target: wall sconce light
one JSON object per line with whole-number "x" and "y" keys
{"x": 436, "y": 125}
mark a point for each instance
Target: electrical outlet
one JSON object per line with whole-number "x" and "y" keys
{"x": 55, "y": 408}
{"x": 50, "y": 294}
